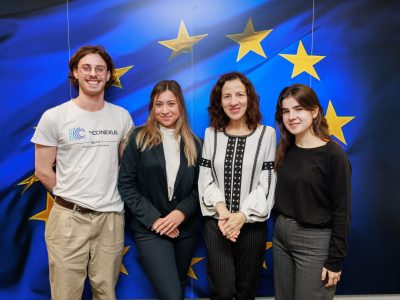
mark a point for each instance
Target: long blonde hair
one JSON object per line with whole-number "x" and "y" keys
{"x": 149, "y": 135}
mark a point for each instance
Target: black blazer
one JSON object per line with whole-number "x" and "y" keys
{"x": 143, "y": 187}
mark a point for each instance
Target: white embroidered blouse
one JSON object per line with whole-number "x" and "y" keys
{"x": 239, "y": 171}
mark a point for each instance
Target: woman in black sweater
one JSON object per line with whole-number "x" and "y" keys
{"x": 313, "y": 198}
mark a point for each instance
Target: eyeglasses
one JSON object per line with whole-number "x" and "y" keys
{"x": 87, "y": 69}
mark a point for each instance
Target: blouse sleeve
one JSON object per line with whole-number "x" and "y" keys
{"x": 258, "y": 204}
{"x": 209, "y": 192}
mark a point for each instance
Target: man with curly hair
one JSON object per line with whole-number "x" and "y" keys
{"x": 84, "y": 138}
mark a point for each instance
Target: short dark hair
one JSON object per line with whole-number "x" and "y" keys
{"x": 85, "y": 50}
{"x": 218, "y": 119}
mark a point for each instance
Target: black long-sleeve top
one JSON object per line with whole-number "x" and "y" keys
{"x": 314, "y": 188}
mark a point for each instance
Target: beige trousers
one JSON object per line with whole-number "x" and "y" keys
{"x": 84, "y": 244}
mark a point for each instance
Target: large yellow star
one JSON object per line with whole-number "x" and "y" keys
{"x": 183, "y": 43}
{"x": 118, "y": 73}
{"x": 249, "y": 40}
{"x": 44, "y": 215}
{"x": 303, "y": 62}
{"x": 28, "y": 182}
{"x": 268, "y": 245}
{"x": 123, "y": 269}
{"x": 194, "y": 261}
{"x": 336, "y": 123}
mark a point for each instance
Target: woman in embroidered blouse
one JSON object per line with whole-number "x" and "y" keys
{"x": 158, "y": 183}
{"x": 313, "y": 196}
{"x": 236, "y": 187}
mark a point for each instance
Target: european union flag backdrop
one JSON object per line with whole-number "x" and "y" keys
{"x": 346, "y": 50}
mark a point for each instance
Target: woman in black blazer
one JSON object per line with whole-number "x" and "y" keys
{"x": 158, "y": 183}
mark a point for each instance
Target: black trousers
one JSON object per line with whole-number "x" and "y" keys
{"x": 233, "y": 268}
{"x": 166, "y": 262}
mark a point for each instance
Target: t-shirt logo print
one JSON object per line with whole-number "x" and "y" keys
{"x": 76, "y": 134}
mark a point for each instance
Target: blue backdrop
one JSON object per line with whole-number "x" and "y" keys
{"x": 346, "y": 50}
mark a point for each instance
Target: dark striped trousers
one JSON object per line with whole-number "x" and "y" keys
{"x": 233, "y": 268}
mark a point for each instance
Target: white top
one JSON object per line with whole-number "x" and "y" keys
{"x": 87, "y": 156}
{"x": 172, "y": 151}
{"x": 238, "y": 170}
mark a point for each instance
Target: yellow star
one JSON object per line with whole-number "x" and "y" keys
{"x": 44, "y": 215}
{"x": 336, "y": 123}
{"x": 268, "y": 245}
{"x": 183, "y": 43}
{"x": 28, "y": 182}
{"x": 194, "y": 261}
{"x": 123, "y": 270}
{"x": 303, "y": 62}
{"x": 249, "y": 40}
{"x": 118, "y": 73}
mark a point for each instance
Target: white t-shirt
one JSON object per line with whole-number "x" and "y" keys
{"x": 87, "y": 152}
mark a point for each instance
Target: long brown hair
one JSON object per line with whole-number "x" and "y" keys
{"x": 85, "y": 50}
{"x": 149, "y": 135}
{"x": 309, "y": 101}
{"x": 218, "y": 119}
